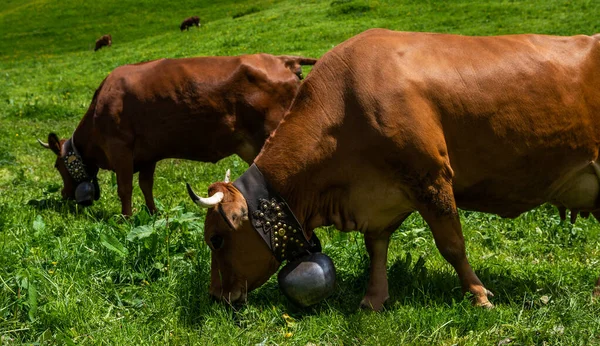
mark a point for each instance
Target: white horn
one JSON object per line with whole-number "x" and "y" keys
{"x": 227, "y": 176}
{"x": 207, "y": 202}
{"x": 45, "y": 145}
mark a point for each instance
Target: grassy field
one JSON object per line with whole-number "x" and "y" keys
{"x": 70, "y": 275}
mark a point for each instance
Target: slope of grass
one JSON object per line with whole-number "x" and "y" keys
{"x": 88, "y": 276}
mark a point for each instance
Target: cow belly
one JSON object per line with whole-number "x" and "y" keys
{"x": 378, "y": 210}
{"x": 579, "y": 190}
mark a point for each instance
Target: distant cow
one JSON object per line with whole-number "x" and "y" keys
{"x": 103, "y": 41}
{"x": 389, "y": 123}
{"x": 188, "y": 22}
{"x": 202, "y": 109}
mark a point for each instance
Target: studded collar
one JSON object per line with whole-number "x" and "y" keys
{"x": 273, "y": 219}
{"x": 74, "y": 163}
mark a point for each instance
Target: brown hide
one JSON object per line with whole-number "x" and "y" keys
{"x": 189, "y": 22}
{"x": 201, "y": 109}
{"x": 103, "y": 41}
{"x": 389, "y": 123}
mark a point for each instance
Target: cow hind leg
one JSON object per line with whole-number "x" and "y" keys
{"x": 146, "y": 180}
{"x": 438, "y": 207}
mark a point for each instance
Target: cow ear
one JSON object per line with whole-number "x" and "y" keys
{"x": 54, "y": 143}
{"x": 234, "y": 212}
{"x": 294, "y": 63}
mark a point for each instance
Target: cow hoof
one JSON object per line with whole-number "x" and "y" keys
{"x": 372, "y": 303}
{"x": 482, "y": 301}
{"x": 596, "y": 292}
{"x": 485, "y": 305}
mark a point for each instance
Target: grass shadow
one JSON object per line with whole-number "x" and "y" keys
{"x": 70, "y": 207}
{"x": 54, "y": 204}
{"x": 410, "y": 284}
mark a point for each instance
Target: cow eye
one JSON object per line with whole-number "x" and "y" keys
{"x": 216, "y": 241}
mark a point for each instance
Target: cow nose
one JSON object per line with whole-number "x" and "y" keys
{"x": 233, "y": 298}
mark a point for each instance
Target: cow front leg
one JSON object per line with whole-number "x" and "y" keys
{"x": 377, "y": 290}
{"x": 596, "y": 291}
{"x": 123, "y": 167}
{"x": 124, "y": 189}
{"x": 146, "y": 179}
{"x": 438, "y": 208}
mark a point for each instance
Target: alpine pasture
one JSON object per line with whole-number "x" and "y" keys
{"x": 72, "y": 275}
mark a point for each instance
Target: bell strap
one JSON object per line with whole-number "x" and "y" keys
{"x": 273, "y": 219}
{"x": 74, "y": 163}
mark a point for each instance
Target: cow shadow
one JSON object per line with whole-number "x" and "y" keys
{"x": 62, "y": 206}
{"x": 54, "y": 204}
{"x": 409, "y": 285}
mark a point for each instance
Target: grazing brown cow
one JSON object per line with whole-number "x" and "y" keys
{"x": 200, "y": 109}
{"x": 189, "y": 22}
{"x": 389, "y": 123}
{"x": 103, "y": 41}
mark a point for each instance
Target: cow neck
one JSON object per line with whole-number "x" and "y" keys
{"x": 76, "y": 167}
{"x": 272, "y": 218}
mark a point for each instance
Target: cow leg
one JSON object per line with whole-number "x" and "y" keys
{"x": 377, "y": 290}
{"x": 440, "y": 213}
{"x": 562, "y": 213}
{"x": 377, "y": 248}
{"x": 123, "y": 167}
{"x": 146, "y": 178}
{"x": 596, "y": 291}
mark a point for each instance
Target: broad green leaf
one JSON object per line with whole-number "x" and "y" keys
{"x": 140, "y": 232}
{"x": 187, "y": 217}
{"x": 113, "y": 244}
{"x": 32, "y": 300}
{"x": 160, "y": 223}
{"x": 38, "y": 224}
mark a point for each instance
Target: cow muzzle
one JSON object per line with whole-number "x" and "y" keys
{"x": 235, "y": 297}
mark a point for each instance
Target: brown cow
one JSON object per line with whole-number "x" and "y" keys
{"x": 189, "y": 22}
{"x": 103, "y": 41}
{"x": 389, "y": 123}
{"x": 200, "y": 109}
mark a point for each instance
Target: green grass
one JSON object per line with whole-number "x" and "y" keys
{"x": 73, "y": 275}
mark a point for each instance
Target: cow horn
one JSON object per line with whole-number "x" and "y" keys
{"x": 227, "y": 176}
{"x": 205, "y": 202}
{"x": 45, "y": 145}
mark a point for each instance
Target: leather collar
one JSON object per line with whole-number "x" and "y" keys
{"x": 74, "y": 163}
{"x": 273, "y": 219}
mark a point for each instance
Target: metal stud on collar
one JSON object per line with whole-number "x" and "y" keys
{"x": 75, "y": 166}
{"x": 270, "y": 218}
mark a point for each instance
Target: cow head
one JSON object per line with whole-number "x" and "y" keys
{"x": 240, "y": 259}
{"x": 294, "y": 63}
{"x": 55, "y": 144}
{"x": 83, "y": 191}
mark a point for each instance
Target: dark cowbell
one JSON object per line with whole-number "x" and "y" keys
{"x": 85, "y": 193}
{"x": 308, "y": 280}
